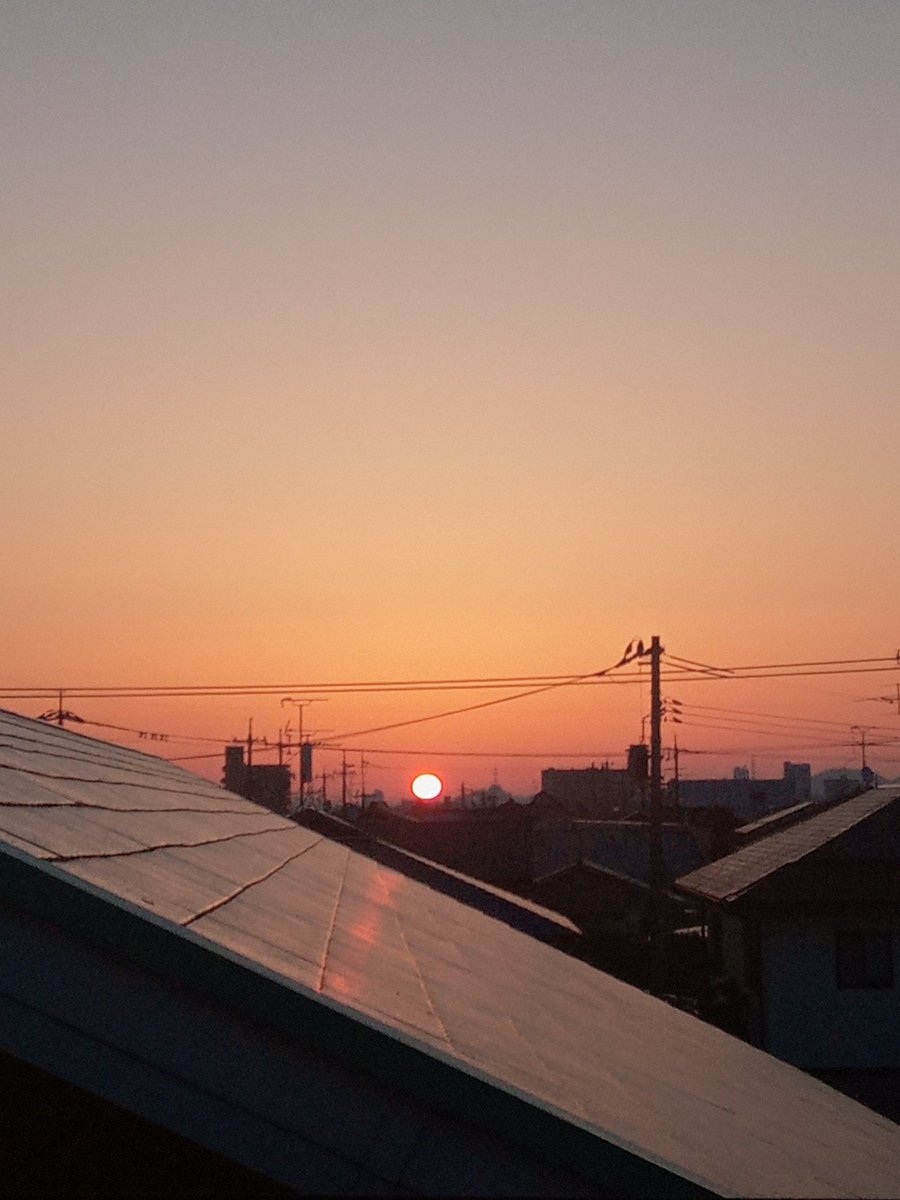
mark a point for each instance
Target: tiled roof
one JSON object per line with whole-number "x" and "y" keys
{"x": 736, "y": 874}
{"x": 405, "y": 965}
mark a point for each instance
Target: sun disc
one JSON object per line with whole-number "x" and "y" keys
{"x": 427, "y": 786}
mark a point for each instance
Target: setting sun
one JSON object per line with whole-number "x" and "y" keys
{"x": 426, "y": 787}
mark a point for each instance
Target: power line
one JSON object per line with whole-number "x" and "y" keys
{"x": 454, "y": 712}
{"x": 770, "y": 716}
{"x": 552, "y": 754}
{"x": 685, "y": 668}
{"x": 154, "y": 737}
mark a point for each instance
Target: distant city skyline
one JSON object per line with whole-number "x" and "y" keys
{"x": 410, "y": 341}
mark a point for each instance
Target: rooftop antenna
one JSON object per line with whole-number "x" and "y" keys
{"x": 60, "y": 715}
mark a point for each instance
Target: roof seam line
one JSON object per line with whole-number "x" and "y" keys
{"x": 107, "y": 782}
{"x": 328, "y": 937}
{"x": 167, "y": 845}
{"x": 422, "y": 984}
{"x": 210, "y": 908}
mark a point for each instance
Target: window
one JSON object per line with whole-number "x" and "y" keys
{"x": 864, "y": 958}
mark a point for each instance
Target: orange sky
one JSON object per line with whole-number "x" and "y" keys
{"x": 349, "y": 342}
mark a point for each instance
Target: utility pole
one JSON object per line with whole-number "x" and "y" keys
{"x": 300, "y": 705}
{"x": 249, "y": 788}
{"x": 657, "y": 870}
{"x": 862, "y": 742}
{"x": 344, "y": 784}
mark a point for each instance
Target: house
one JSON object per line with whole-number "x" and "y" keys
{"x": 624, "y": 847}
{"x": 507, "y": 846}
{"x": 808, "y": 925}
{"x": 175, "y": 956}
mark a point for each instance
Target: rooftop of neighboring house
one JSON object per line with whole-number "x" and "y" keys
{"x": 624, "y": 847}
{"x": 859, "y": 836}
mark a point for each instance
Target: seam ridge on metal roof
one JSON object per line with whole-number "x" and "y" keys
{"x": 429, "y": 999}
{"x": 148, "y": 787}
{"x": 323, "y": 968}
{"x": 229, "y": 837}
{"x": 251, "y": 883}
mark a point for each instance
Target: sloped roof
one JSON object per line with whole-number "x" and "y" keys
{"x": 624, "y": 847}
{"x": 775, "y": 820}
{"x": 736, "y": 874}
{"x": 397, "y": 979}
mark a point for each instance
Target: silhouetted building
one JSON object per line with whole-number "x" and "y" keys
{"x": 623, "y": 847}
{"x": 509, "y": 845}
{"x": 600, "y": 900}
{"x": 263, "y": 783}
{"x": 749, "y": 798}
{"x": 598, "y": 792}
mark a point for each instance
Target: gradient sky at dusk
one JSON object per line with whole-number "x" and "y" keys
{"x": 385, "y": 340}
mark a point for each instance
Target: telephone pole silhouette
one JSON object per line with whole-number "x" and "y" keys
{"x": 657, "y": 867}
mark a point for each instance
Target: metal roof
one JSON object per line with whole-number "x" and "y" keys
{"x": 736, "y": 874}
{"x": 400, "y": 981}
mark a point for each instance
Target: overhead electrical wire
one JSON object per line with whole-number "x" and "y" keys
{"x": 454, "y": 712}
{"x": 684, "y": 669}
{"x": 592, "y": 754}
{"x": 155, "y": 737}
{"x": 771, "y": 716}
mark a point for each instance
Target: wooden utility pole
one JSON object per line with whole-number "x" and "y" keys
{"x": 862, "y": 742}
{"x": 249, "y": 788}
{"x": 657, "y": 868}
